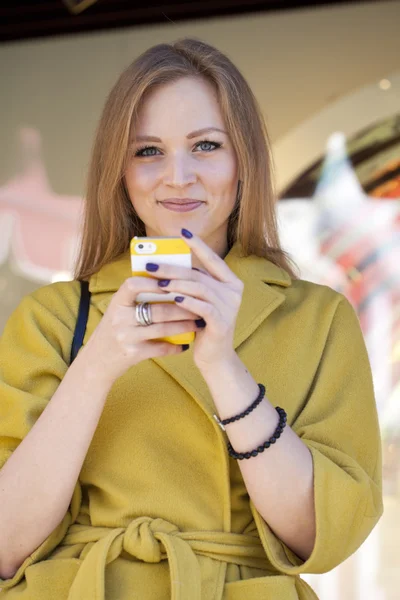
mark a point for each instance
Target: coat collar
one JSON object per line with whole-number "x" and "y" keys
{"x": 260, "y": 298}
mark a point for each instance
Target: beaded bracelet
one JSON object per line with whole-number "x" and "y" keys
{"x": 256, "y": 402}
{"x": 272, "y": 440}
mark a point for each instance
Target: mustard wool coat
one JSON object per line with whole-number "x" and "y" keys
{"x": 160, "y": 510}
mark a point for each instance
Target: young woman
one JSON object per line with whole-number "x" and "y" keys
{"x": 125, "y": 474}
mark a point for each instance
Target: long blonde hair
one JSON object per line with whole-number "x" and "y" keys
{"x": 110, "y": 220}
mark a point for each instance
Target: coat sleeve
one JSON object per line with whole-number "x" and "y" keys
{"x": 339, "y": 424}
{"x": 34, "y": 357}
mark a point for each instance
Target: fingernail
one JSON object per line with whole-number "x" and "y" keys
{"x": 186, "y": 233}
{"x": 200, "y": 322}
{"x": 151, "y": 267}
{"x": 164, "y": 282}
{"x": 185, "y": 347}
{"x": 179, "y": 298}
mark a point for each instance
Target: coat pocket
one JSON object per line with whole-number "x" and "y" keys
{"x": 275, "y": 587}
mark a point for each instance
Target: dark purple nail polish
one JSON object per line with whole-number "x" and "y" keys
{"x": 196, "y": 269}
{"x": 179, "y": 298}
{"x": 164, "y": 282}
{"x": 185, "y": 347}
{"x": 151, "y": 267}
{"x": 200, "y": 322}
{"x": 186, "y": 233}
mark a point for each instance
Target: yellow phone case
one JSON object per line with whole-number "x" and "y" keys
{"x": 161, "y": 250}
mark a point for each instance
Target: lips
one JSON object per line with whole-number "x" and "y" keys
{"x": 180, "y": 202}
{"x": 181, "y": 206}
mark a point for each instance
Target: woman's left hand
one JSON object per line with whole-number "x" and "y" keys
{"x": 215, "y": 296}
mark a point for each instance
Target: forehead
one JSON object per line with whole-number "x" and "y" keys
{"x": 182, "y": 106}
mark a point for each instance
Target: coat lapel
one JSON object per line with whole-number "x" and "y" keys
{"x": 260, "y": 298}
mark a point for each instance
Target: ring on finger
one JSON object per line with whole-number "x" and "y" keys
{"x": 143, "y": 314}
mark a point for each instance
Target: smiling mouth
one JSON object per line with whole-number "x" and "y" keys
{"x": 182, "y": 206}
{"x": 179, "y": 202}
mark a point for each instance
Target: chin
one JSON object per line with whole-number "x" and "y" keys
{"x": 174, "y": 230}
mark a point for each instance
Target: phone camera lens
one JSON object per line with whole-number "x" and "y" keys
{"x": 140, "y": 245}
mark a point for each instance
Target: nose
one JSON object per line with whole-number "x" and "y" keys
{"x": 180, "y": 171}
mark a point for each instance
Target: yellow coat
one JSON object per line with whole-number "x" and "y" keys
{"x": 160, "y": 509}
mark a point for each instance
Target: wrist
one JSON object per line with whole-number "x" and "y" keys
{"x": 91, "y": 370}
{"x": 232, "y": 387}
{"x": 223, "y": 365}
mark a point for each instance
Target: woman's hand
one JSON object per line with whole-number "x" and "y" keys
{"x": 118, "y": 342}
{"x": 215, "y": 296}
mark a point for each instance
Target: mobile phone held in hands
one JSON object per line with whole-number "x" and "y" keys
{"x": 160, "y": 250}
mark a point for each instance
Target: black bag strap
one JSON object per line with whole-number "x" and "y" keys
{"x": 81, "y": 321}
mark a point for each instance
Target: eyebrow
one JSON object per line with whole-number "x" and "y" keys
{"x": 193, "y": 134}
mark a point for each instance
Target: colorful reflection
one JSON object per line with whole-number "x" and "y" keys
{"x": 347, "y": 235}
{"x": 349, "y": 240}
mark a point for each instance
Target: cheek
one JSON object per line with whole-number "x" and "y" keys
{"x": 142, "y": 177}
{"x": 222, "y": 176}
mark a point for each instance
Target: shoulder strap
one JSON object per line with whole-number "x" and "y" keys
{"x": 81, "y": 321}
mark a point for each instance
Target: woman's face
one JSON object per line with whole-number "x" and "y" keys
{"x": 180, "y": 151}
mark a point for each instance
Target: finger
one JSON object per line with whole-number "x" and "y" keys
{"x": 207, "y": 311}
{"x": 201, "y": 271}
{"x": 155, "y": 349}
{"x": 161, "y": 330}
{"x": 165, "y": 271}
{"x": 166, "y": 274}
{"x": 126, "y": 295}
{"x": 169, "y": 311}
{"x": 216, "y": 266}
{"x": 197, "y": 289}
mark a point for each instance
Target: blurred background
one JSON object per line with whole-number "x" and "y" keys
{"x": 327, "y": 75}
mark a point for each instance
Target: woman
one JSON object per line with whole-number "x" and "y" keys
{"x": 119, "y": 478}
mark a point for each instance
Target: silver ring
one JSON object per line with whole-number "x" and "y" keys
{"x": 143, "y": 314}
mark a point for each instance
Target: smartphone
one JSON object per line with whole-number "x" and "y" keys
{"x": 160, "y": 250}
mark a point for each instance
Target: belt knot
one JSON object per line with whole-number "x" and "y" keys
{"x": 141, "y": 539}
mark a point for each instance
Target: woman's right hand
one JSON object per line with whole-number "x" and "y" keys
{"x": 119, "y": 342}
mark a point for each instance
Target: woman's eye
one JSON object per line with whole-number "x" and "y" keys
{"x": 206, "y": 146}
{"x": 147, "y": 151}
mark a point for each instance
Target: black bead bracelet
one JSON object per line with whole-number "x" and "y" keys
{"x": 267, "y": 444}
{"x": 248, "y": 410}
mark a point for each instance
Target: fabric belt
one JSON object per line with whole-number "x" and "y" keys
{"x": 153, "y": 540}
